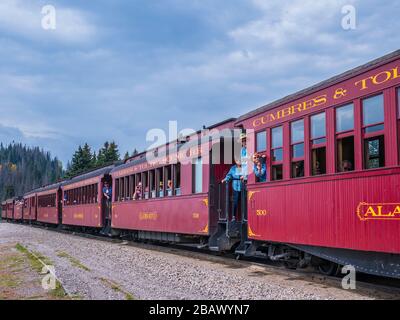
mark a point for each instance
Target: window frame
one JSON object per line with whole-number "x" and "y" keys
{"x": 367, "y": 136}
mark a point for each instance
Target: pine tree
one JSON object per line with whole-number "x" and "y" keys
{"x": 112, "y": 153}
{"x": 126, "y": 156}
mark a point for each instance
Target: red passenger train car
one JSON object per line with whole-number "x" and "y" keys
{"x": 4, "y": 210}
{"x": 18, "y": 209}
{"x": 30, "y": 206}
{"x": 333, "y": 181}
{"x": 83, "y": 203}
{"x": 166, "y": 198}
{"x": 49, "y": 204}
{"x": 10, "y": 209}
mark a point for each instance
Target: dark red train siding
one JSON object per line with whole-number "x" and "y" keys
{"x": 325, "y": 212}
{"x": 181, "y": 214}
{"x": 10, "y": 209}
{"x": 29, "y": 212}
{"x": 89, "y": 215}
{"x": 48, "y": 214}
{"x": 18, "y": 211}
{"x": 330, "y": 210}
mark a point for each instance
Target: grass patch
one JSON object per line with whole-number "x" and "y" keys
{"x": 114, "y": 286}
{"x": 36, "y": 260}
{"x": 75, "y": 262}
{"x": 9, "y": 281}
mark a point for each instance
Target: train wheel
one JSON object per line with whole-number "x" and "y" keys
{"x": 328, "y": 268}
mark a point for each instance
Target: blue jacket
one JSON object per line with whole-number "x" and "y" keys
{"x": 235, "y": 174}
{"x": 261, "y": 174}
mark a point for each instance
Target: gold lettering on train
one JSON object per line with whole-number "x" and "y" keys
{"x": 148, "y": 216}
{"x": 78, "y": 216}
{"x": 378, "y": 78}
{"x": 378, "y": 211}
{"x": 288, "y": 111}
{"x": 261, "y": 213}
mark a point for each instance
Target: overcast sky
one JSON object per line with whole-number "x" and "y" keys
{"x": 115, "y": 69}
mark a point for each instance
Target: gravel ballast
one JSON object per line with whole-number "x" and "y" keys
{"x": 95, "y": 269}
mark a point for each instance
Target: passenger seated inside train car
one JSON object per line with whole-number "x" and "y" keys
{"x": 260, "y": 168}
{"x": 138, "y": 192}
{"x": 169, "y": 188}
{"x": 237, "y": 175}
{"x": 161, "y": 190}
{"x": 346, "y": 166}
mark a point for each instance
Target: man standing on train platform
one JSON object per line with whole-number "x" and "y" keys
{"x": 237, "y": 175}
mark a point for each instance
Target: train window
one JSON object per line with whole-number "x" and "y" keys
{"x": 297, "y": 145}
{"x": 123, "y": 188}
{"x": 159, "y": 182}
{"x": 168, "y": 177}
{"x": 318, "y": 161}
{"x": 373, "y": 110}
{"x": 277, "y": 172}
{"x": 126, "y": 188}
{"x": 277, "y": 144}
{"x": 146, "y": 185}
{"x": 318, "y": 128}
{"x": 131, "y": 186}
{"x": 277, "y": 153}
{"x": 96, "y": 192}
{"x": 345, "y": 154}
{"x": 116, "y": 193}
{"x": 373, "y": 125}
{"x": 374, "y": 149}
{"x": 177, "y": 179}
{"x": 261, "y": 141}
{"x": 373, "y": 114}
{"x": 197, "y": 174}
{"x": 152, "y": 184}
{"x": 318, "y": 144}
{"x": 345, "y": 118}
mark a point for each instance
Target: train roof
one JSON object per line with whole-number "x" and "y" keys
{"x": 49, "y": 187}
{"x": 88, "y": 175}
{"x": 30, "y": 193}
{"x": 324, "y": 84}
{"x": 141, "y": 157}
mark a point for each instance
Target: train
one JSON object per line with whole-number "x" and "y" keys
{"x": 330, "y": 197}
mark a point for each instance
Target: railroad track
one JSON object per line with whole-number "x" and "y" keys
{"x": 378, "y": 287}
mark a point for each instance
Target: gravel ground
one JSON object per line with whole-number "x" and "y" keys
{"x": 94, "y": 269}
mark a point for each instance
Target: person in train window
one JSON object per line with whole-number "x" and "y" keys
{"x": 237, "y": 175}
{"x": 260, "y": 168}
{"x": 161, "y": 189}
{"x": 347, "y": 166}
{"x": 107, "y": 191}
{"x": 243, "y": 154}
{"x": 138, "y": 192}
{"x": 169, "y": 188}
